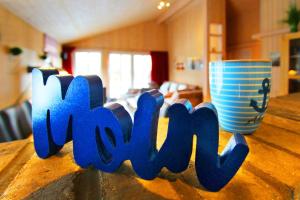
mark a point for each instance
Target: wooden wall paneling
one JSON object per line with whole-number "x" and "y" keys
{"x": 215, "y": 13}
{"x": 270, "y": 15}
{"x": 250, "y": 50}
{"x": 145, "y": 36}
{"x": 105, "y": 70}
{"x": 186, "y": 39}
{"x": 13, "y": 33}
{"x": 282, "y": 89}
{"x": 242, "y": 20}
{"x": 13, "y": 76}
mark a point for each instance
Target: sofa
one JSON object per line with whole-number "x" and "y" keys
{"x": 172, "y": 91}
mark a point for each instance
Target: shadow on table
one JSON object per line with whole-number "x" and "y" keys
{"x": 125, "y": 184}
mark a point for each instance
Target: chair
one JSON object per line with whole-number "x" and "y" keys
{"x": 5, "y": 128}
{"x": 12, "y": 123}
{"x": 25, "y": 118}
{"x": 15, "y": 122}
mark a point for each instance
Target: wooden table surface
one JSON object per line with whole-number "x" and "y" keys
{"x": 271, "y": 170}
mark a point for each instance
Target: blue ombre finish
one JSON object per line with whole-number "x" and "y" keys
{"x": 69, "y": 108}
{"x": 240, "y": 92}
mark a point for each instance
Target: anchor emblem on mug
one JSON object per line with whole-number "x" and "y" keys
{"x": 240, "y": 90}
{"x": 265, "y": 91}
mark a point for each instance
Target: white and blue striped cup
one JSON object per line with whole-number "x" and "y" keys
{"x": 240, "y": 91}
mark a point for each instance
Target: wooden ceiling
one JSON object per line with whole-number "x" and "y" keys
{"x": 68, "y": 20}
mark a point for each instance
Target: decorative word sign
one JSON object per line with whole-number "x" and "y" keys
{"x": 67, "y": 108}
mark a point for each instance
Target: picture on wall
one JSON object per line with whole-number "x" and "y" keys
{"x": 193, "y": 63}
{"x": 180, "y": 65}
{"x": 275, "y": 59}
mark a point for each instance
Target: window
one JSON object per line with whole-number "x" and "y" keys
{"x": 87, "y": 63}
{"x": 119, "y": 74}
{"x": 128, "y": 71}
{"x": 141, "y": 71}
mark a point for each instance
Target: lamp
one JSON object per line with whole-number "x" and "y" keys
{"x": 163, "y": 4}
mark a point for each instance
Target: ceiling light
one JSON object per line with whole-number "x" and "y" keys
{"x": 163, "y": 4}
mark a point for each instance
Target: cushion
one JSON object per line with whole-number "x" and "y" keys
{"x": 164, "y": 88}
{"x": 182, "y": 87}
{"x": 173, "y": 87}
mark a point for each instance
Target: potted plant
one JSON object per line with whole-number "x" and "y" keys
{"x": 43, "y": 56}
{"x": 293, "y": 17}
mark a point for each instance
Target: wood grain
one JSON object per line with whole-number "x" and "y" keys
{"x": 141, "y": 37}
{"x": 15, "y": 32}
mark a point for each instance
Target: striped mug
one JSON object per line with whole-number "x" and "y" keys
{"x": 240, "y": 91}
